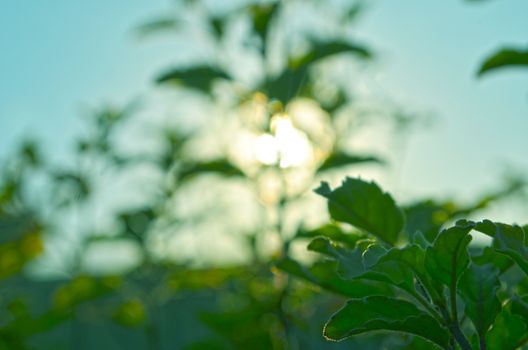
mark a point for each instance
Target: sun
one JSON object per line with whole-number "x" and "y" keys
{"x": 286, "y": 145}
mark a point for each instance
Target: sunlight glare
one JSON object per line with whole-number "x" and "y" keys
{"x": 287, "y": 146}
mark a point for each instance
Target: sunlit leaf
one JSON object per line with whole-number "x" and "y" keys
{"x": 377, "y": 313}
{"x": 324, "y": 275}
{"x": 507, "y": 57}
{"x": 365, "y": 206}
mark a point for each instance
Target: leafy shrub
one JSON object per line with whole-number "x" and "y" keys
{"x": 438, "y": 287}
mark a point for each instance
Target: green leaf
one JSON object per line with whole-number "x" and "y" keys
{"x": 376, "y": 313}
{"x": 506, "y": 57}
{"x": 478, "y": 287}
{"x": 261, "y": 16}
{"x": 490, "y": 256}
{"x": 324, "y": 275}
{"x": 333, "y": 232}
{"x": 399, "y": 267}
{"x": 287, "y": 85}
{"x": 218, "y": 26}
{"x": 342, "y": 159}
{"x": 71, "y": 187}
{"x": 221, "y": 167}
{"x": 447, "y": 259}
{"x": 200, "y": 78}
{"x": 519, "y": 306}
{"x": 291, "y": 81}
{"x": 365, "y": 206}
{"x": 323, "y": 49}
{"x": 131, "y": 313}
{"x": 159, "y": 25}
{"x": 426, "y": 217}
{"x": 508, "y": 240}
{"x": 82, "y": 289}
{"x": 350, "y": 262}
{"x": 508, "y": 332}
{"x": 137, "y": 222}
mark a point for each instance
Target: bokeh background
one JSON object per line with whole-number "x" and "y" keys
{"x": 148, "y": 205}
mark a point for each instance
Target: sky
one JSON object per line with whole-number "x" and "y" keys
{"x": 59, "y": 58}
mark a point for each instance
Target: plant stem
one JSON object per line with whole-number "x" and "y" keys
{"x": 482, "y": 341}
{"x": 427, "y": 306}
{"x": 454, "y": 326}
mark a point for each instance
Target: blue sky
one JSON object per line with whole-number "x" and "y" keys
{"x": 59, "y": 57}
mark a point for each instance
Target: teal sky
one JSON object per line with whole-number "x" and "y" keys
{"x": 59, "y": 57}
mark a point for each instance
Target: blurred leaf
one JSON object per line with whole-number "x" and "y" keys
{"x": 508, "y": 332}
{"x": 82, "y": 289}
{"x": 448, "y": 258}
{"x": 222, "y": 167}
{"x": 508, "y": 240}
{"x": 218, "y": 26}
{"x": 26, "y": 325}
{"x": 290, "y": 82}
{"x": 287, "y": 85}
{"x": 131, "y": 313}
{"x": 376, "y": 313}
{"x": 29, "y": 152}
{"x": 428, "y": 216}
{"x": 261, "y": 17}
{"x": 342, "y": 159}
{"x": 70, "y": 187}
{"x": 366, "y": 206}
{"x": 159, "y": 25}
{"x": 198, "y": 77}
{"x": 15, "y": 254}
{"x": 208, "y": 344}
{"x": 247, "y": 328}
{"x": 137, "y": 222}
{"x": 503, "y": 58}
{"x": 322, "y": 49}
{"x": 206, "y": 278}
{"x": 478, "y": 287}
{"x": 324, "y": 275}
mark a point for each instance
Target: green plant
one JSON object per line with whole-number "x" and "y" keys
{"x": 437, "y": 286}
